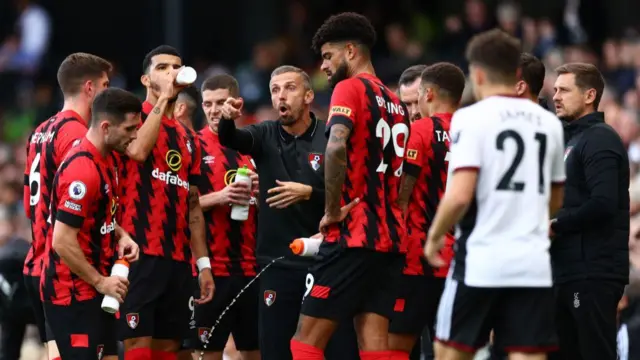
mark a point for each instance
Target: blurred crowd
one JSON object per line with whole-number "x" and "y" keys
{"x": 26, "y": 99}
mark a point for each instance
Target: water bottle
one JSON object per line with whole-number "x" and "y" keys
{"x": 186, "y": 76}
{"x": 121, "y": 269}
{"x": 241, "y": 212}
{"x": 306, "y": 246}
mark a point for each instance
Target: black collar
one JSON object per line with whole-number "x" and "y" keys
{"x": 307, "y": 135}
{"x": 584, "y": 122}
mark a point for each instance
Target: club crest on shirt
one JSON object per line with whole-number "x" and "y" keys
{"x": 269, "y": 297}
{"x": 133, "y": 319}
{"x": 203, "y": 334}
{"x": 566, "y": 152}
{"x": 315, "y": 160}
{"x": 100, "y": 351}
{"x": 412, "y": 154}
{"x": 77, "y": 190}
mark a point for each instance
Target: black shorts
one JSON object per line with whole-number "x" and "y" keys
{"x": 240, "y": 320}
{"x": 81, "y": 330}
{"x": 349, "y": 281}
{"x": 522, "y": 319}
{"x": 416, "y": 304}
{"x": 157, "y": 304}
{"x": 32, "y": 286}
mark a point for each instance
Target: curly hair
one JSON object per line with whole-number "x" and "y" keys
{"x": 347, "y": 26}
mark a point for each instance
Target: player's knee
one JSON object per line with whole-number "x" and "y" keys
{"x": 314, "y": 331}
{"x": 165, "y": 345}
{"x": 250, "y": 355}
{"x": 372, "y": 331}
{"x": 402, "y": 342}
{"x": 526, "y": 356}
{"x": 137, "y": 343}
{"x": 209, "y": 355}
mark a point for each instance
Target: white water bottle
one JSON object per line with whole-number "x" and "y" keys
{"x": 306, "y": 246}
{"x": 241, "y": 212}
{"x": 121, "y": 269}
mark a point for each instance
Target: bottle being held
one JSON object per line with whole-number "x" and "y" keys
{"x": 121, "y": 269}
{"x": 241, "y": 212}
{"x": 306, "y": 246}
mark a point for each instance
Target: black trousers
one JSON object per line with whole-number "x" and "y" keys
{"x": 282, "y": 290}
{"x": 586, "y": 319}
{"x": 11, "y": 336}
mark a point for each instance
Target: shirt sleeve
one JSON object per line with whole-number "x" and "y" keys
{"x": 78, "y": 189}
{"x": 415, "y": 156}
{"x": 558, "y": 175}
{"x": 466, "y": 145}
{"x": 247, "y": 141}
{"x": 67, "y": 136}
{"x": 602, "y": 157}
{"x": 345, "y": 103}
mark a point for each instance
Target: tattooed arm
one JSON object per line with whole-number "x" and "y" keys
{"x": 141, "y": 147}
{"x": 406, "y": 188}
{"x": 196, "y": 225}
{"x": 335, "y": 167}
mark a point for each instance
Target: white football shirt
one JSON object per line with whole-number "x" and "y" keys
{"x": 518, "y": 148}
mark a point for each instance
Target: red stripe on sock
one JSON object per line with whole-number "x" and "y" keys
{"x": 302, "y": 351}
{"x": 138, "y": 354}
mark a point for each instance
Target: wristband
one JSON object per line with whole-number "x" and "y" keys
{"x": 203, "y": 263}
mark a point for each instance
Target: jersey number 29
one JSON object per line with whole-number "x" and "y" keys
{"x": 387, "y": 134}
{"x": 506, "y": 182}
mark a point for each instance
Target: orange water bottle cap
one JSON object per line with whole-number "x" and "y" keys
{"x": 122, "y": 261}
{"x": 297, "y": 246}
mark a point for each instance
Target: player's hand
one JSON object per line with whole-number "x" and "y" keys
{"x": 207, "y": 286}
{"x": 255, "y": 183}
{"x": 287, "y": 193}
{"x": 317, "y": 236}
{"x": 165, "y": 81}
{"x": 236, "y": 193}
{"x": 114, "y": 286}
{"x": 432, "y": 251}
{"x": 232, "y": 108}
{"x": 328, "y": 219}
{"x": 128, "y": 249}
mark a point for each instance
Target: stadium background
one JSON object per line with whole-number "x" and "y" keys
{"x": 248, "y": 38}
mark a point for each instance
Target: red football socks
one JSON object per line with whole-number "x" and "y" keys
{"x": 302, "y": 351}
{"x": 138, "y": 354}
{"x": 398, "y": 355}
{"x": 377, "y": 355}
{"x": 163, "y": 355}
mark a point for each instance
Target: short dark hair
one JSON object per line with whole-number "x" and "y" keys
{"x": 114, "y": 104}
{"x": 160, "y": 50}
{"x": 496, "y": 52}
{"x": 77, "y": 68}
{"x": 587, "y": 77}
{"x": 532, "y": 72}
{"x": 191, "y": 97}
{"x": 292, "y": 69}
{"x": 222, "y": 81}
{"x": 448, "y": 78}
{"x": 347, "y": 26}
{"x": 411, "y": 74}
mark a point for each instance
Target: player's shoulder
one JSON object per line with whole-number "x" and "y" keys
{"x": 425, "y": 124}
{"x": 351, "y": 82}
{"x": 80, "y": 163}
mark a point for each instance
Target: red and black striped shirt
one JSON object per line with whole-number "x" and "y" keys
{"x": 155, "y": 193}
{"x": 48, "y": 145}
{"x": 379, "y": 124}
{"x": 427, "y": 161}
{"x": 84, "y": 198}
{"x": 232, "y": 244}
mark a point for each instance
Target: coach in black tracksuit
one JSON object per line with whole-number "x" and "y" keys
{"x": 589, "y": 251}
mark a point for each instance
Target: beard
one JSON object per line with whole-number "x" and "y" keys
{"x": 292, "y": 117}
{"x": 341, "y": 73}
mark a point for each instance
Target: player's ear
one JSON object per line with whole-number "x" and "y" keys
{"x": 145, "y": 80}
{"x": 590, "y": 96}
{"x": 521, "y": 88}
{"x": 429, "y": 94}
{"x": 88, "y": 87}
{"x": 104, "y": 125}
{"x": 309, "y": 96}
{"x": 350, "y": 51}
